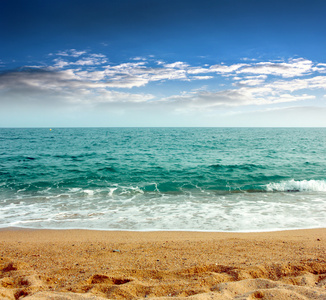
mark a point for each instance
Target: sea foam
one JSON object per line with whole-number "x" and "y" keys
{"x": 297, "y": 186}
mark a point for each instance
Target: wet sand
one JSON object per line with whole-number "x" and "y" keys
{"x": 81, "y": 264}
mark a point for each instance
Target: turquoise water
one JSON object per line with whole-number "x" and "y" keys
{"x": 215, "y": 179}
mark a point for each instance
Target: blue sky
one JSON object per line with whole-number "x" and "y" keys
{"x": 162, "y": 63}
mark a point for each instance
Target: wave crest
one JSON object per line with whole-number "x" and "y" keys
{"x": 297, "y": 186}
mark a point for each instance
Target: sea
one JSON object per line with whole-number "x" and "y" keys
{"x": 153, "y": 179}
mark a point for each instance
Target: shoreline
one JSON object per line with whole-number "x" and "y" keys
{"x": 96, "y": 264}
{"x": 17, "y": 228}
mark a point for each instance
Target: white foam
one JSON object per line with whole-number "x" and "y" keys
{"x": 74, "y": 190}
{"x": 301, "y": 186}
{"x": 176, "y": 211}
{"x": 89, "y": 192}
{"x": 112, "y": 191}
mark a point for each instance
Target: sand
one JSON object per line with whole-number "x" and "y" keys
{"x": 82, "y": 264}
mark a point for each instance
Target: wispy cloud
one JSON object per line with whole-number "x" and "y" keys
{"x": 219, "y": 69}
{"x": 88, "y": 60}
{"x": 230, "y": 98}
{"x": 295, "y": 67}
{"x": 71, "y": 53}
{"x": 139, "y": 58}
{"x": 251, "y": 80}
{"x": 317, "y": 82}
{"x": 177, "y": 65}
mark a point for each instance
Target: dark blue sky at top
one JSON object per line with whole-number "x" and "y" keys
{"x": 225, "y": 30}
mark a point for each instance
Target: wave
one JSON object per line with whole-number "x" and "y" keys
{"x": 242, "y": 167}
{"x": 297, "y": 186}
{"x": 107, "y": 169}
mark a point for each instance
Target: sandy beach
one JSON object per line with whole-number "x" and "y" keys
{"x": 82, "y": 264}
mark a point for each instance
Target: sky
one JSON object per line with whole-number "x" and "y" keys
{"x": 162, "y": 63}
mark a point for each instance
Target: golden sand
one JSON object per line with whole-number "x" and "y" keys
{"x": 81, "y": 264}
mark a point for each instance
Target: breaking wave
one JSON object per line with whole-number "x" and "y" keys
{"x": 297, "y": 186}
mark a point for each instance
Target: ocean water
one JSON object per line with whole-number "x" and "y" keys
{"x": 203, "y": 179}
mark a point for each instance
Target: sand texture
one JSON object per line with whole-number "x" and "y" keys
{"x": 81, "y": 264}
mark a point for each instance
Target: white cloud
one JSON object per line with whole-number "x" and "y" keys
{"x": 317, "y": 82}
{"x": 289, "y": 98}
{"x": 251, "y": 80}
{"x": 60, "y": 63}
{"x": 321, "y": 68}
{"x": 107, "y": 96}
{"x": 262, "y": 77}
{"x": 139, "y": 58}
{"x": 292, "y": 68}
{"x": 201, "y": 77}
{"x": 49, "y": 88}
{"x": 295, "y": 67}
{"x": 88, "y": 75}
{"x": 128, "y": 75}
{"x": 126, "y": 82}
{"x": 127, "y": 67}
{"x": 220, "y": 69}
{"x": 207, "y": 99}
{"x": 91, "y": 60}
{"x": 244, "y": 96}
{"x": 248, "y": 59}
{"x": 177, "y": 64}
{"x": 139, "y": 73}
{"x": 81, "y": 78}
{"x": 98, "y": 55}
{"x": 71, "y": 52}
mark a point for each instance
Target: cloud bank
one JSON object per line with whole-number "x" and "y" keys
{"x": 84, "y": 79}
